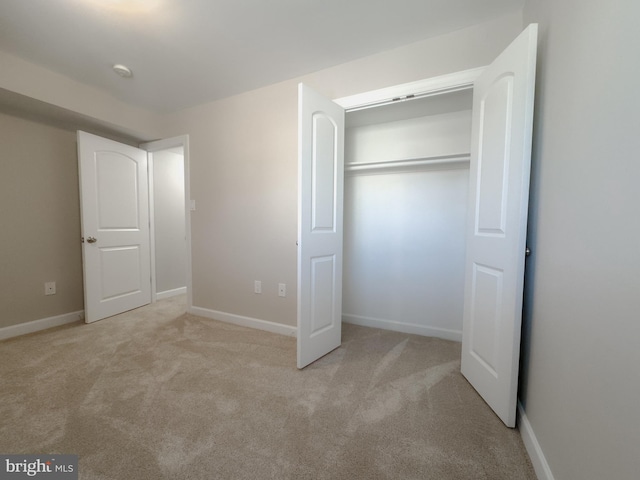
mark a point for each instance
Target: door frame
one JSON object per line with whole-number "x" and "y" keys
{"x": 156, "y": 146}
{"x": 443, "y": 84}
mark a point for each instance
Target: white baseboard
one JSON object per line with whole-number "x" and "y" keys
{"x": 454, "y": 335}
{"x": 538, "y": 460}
{"x": 42, "y": 324}
{"x": 171, "y": 293}
{"x": 245, "y": 321}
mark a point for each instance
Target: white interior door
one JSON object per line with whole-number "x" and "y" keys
{"x": 497, "y": 223}
{"x": 114, "y": 207}
{"x": 320, "y": 203}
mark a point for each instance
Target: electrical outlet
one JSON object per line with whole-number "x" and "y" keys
{"x": 50, "y": 288}
{"x": 282, "y": 290}
{"x": 257, "y": 286}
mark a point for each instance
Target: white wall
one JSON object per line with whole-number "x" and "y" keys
{"x": 243, "y": 154}
{"x": 169, "y": 221}
{"x": 581, "y": 354}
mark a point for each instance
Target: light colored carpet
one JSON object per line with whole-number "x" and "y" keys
{"x": 159, "y": 394}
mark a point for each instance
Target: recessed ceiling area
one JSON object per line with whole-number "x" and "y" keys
{"x": 186, "y": 53}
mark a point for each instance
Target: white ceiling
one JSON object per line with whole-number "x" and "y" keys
{"x": 186, "y": 52}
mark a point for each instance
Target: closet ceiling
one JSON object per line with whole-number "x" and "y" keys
{"x": 186, "y": 52}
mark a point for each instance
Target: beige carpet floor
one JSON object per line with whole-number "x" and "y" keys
{"x": 159, "y": 394}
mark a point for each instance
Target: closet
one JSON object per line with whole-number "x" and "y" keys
{"x": 392, "y": 237}
{"x": 405, "y": 205}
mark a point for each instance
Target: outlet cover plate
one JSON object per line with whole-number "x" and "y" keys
{"x": 50, "y": 288}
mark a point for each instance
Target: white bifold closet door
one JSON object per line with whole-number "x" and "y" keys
{"x": 497, "y": 224}
{"x": 320, "y": 206}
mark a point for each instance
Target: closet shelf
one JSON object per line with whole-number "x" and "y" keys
{"x": 423, "y": 163}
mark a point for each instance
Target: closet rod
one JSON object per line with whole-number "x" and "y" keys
{"x": 412, "y": 163}
{"x": 408, "y": 97}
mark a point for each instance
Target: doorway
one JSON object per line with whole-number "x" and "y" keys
{"x": 168, "y": 232}
{"x": 405, "y": 207}
{"x": 118, "y": 223}
{"x": 170, "y": 210}
{"x": 320, "y": 197}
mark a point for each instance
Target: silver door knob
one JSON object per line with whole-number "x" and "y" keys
{"x": 92, "y": 240}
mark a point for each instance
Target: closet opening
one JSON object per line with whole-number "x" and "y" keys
{"x": 405, "y": 206}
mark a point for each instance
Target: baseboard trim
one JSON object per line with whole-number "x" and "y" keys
{"x": 171, "y": 293}
{"x": 42, "y": 324}
{"x": 245, "y": 321}
{"x": 538, "y": 460}
{"x": 403, "y": 327}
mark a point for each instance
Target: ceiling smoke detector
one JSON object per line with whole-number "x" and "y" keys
{"x": 122, "y": 70}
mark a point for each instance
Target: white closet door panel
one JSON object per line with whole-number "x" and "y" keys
{"x": 321, "y": 178}
{"x": 497, "y": 222}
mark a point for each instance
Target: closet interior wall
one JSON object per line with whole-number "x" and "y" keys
{"x": 405, "y": 207}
